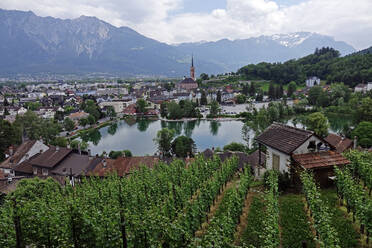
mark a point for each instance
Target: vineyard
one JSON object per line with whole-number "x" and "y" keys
{"x": 206, "y": 203}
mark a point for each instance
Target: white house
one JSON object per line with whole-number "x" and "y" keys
{"x": 282, "y": 141}
{"x": 360, "y": 88}
{"x": 312, "y": 81}
{"x": 290, "y": 149}
{"x": 25, "y": 151}
{"x": 369, "y": 86}
{"x": 118, "y": 106}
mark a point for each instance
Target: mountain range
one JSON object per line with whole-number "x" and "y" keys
{"x": 30, "y": 44}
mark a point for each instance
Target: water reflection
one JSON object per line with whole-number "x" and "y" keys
{"x": 112, "y": 128}
{"x": 214, "y": 126}
{"x": 189, "y": 127}
{"x": 93, "y": 136}
{"x": 143, "y": 124}
{"x": 139, "y": 137}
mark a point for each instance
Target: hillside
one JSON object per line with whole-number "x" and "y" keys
{"x": 364, "y": 51}
{"x": 324, "y": 63}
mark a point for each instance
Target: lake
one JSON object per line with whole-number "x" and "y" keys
{"x": 137, "y": 136}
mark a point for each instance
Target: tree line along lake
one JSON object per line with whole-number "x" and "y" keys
{"x": 137, "y": 135}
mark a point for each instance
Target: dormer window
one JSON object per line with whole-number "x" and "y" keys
{"x": 311, "y": 147}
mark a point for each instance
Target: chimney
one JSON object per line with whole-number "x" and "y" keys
{"x": 57, "y": 148}
{"x": 89, "y": 152}
{"x": 11, "y": 150}
{"x": 27, "y": 156}
{"x": 355, "y": 142}
{"x": 41, "y": 151}
{"x": 104, "y": 163}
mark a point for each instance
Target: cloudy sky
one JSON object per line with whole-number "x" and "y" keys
{"x": 175, "y": 21}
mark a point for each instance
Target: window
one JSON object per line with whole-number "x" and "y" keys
{"x": 311, "y": 147}
{"x": 35, "y": 170}
{"x": 276, "y": 162}
{"x": 45, "y": 172}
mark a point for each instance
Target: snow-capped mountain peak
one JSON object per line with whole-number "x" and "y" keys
{"x": 291, "y": 39}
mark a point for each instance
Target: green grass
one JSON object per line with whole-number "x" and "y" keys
{"x": 295, "y": 227}
{"x": 255, "y": 227}
{"x": 347, "y": 234}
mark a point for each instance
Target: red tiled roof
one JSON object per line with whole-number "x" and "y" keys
{"x": 123, "y": 166}
{"x": 131, "y": 109}
{"x": 51, "y": 157}
{"x": 339, "y": 142}
{"x": 78, "y": 115}
{"x": 320, "y": 159}
{"x": 188, "y": 81}
{"x": 284, "y": 138}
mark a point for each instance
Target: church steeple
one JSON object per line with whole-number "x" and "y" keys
{"x": 192, "y": 69}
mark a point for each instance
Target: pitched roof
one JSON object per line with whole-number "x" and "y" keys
{"x": 25, "y": 166}
{"x": 77, "y": 164}
{"x": 18, "y": 154}
{"x": 242, "y": 157}
{"x": 208, "y": 153}
{"x": 320, "y": 159}
{"x": 253, "y": 158}
{"x": 284, "y": 138}
{"x": 339, "y": 142}
{"x": 188, "y": 81}
{"x": 51, "y": 157}
{"x": 123, "y": 166}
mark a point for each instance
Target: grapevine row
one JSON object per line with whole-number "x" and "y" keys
{"x": 355, "y": 198}
{"x": 320, "y": 213}
{"x": 222, "y": 227}
{"x": 271, "y": 236}
{"x": 181, "y": 231}
{"x": 115, "y": 212}
{"x": 362, "y": 166}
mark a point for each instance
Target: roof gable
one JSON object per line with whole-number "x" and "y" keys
{"x": 51, "y": 157}
{"x": 284, "y": 138}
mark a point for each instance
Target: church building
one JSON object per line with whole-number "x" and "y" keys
{"x": 189, "y": 83}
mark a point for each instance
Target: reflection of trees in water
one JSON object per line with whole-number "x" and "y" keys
{"x": 189, "y": 127}
{"x": 112, "y": 128}
{"x": 176, "y": 126}
{"x": 340, "y": 123}
{"x": 214, "y": 126}
{"x": 130, "y": 121}
{"x": 163, "y": 124}
{"x": 143, "y": 124}
{"x": 93, "y": 135}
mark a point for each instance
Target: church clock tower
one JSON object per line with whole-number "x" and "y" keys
{"x": 192, "y": 69}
